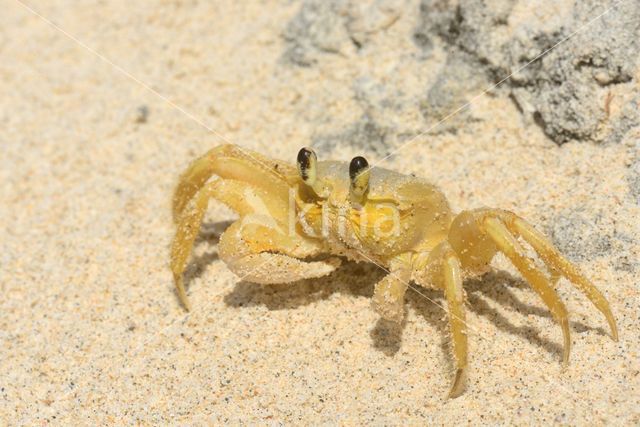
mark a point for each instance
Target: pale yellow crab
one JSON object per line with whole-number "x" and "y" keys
{"x": 298, "y": 222}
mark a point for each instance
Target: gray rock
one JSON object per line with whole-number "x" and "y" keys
{"x": 588, "y": 60}
{"x": 334, "y": 26}
{"x": 628, "y": 118}
{"x": 319, "y": 27}
{"x": 566, "y": 90}
{"x": 579, "y": 236}
{"x": 452, "y": 91}
{"x": 366, "y": 134}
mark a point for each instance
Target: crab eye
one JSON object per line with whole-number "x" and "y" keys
{"x": 359, "y": 172}
{"x": 307, "y": 160}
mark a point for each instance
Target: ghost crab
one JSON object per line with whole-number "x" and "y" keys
{"x": 297, "y": 223}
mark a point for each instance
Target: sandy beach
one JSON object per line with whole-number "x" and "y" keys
{"x": 104, "y": 104}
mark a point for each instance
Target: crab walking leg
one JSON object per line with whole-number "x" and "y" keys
{"x": 245, "y": 254}
{"x": 508, "y": 244}
{"x": 190, "y": 218}
{"x": 231, "y": 162}
{"x": 388, "y": 296}
{"x": 191, "y": 181}
{"x": 561, "y": 266}
{"x": 455, "y": 301}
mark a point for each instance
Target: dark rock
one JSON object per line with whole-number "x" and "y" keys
{"x": 561, "y": 62}
{"x": 319, "y": 27}
{"x": 451, "y": 92}
{"x": 365, "y": 134}
{"x": 579, "y": 236}
{"x": 565, "y": 90}
{"x": 336, "y": 27}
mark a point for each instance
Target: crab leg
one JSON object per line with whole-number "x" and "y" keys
{"x": 455, "y": 302}
{"x": 443, "y": 268}
{"x": 508, "y": 244}
{"x": 561, "y": 266}
{"x": 190, "y": 217}
{"x": 388, "y": 296}
{"x": 231, "y": 162}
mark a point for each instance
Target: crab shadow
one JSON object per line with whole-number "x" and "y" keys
{"x": 491, "y": 296}
{"x": 354, "y": 279}
{"x": 209, "y": 236}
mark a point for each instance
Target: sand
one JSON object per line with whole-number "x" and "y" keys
{"x": 93, "y": 135}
